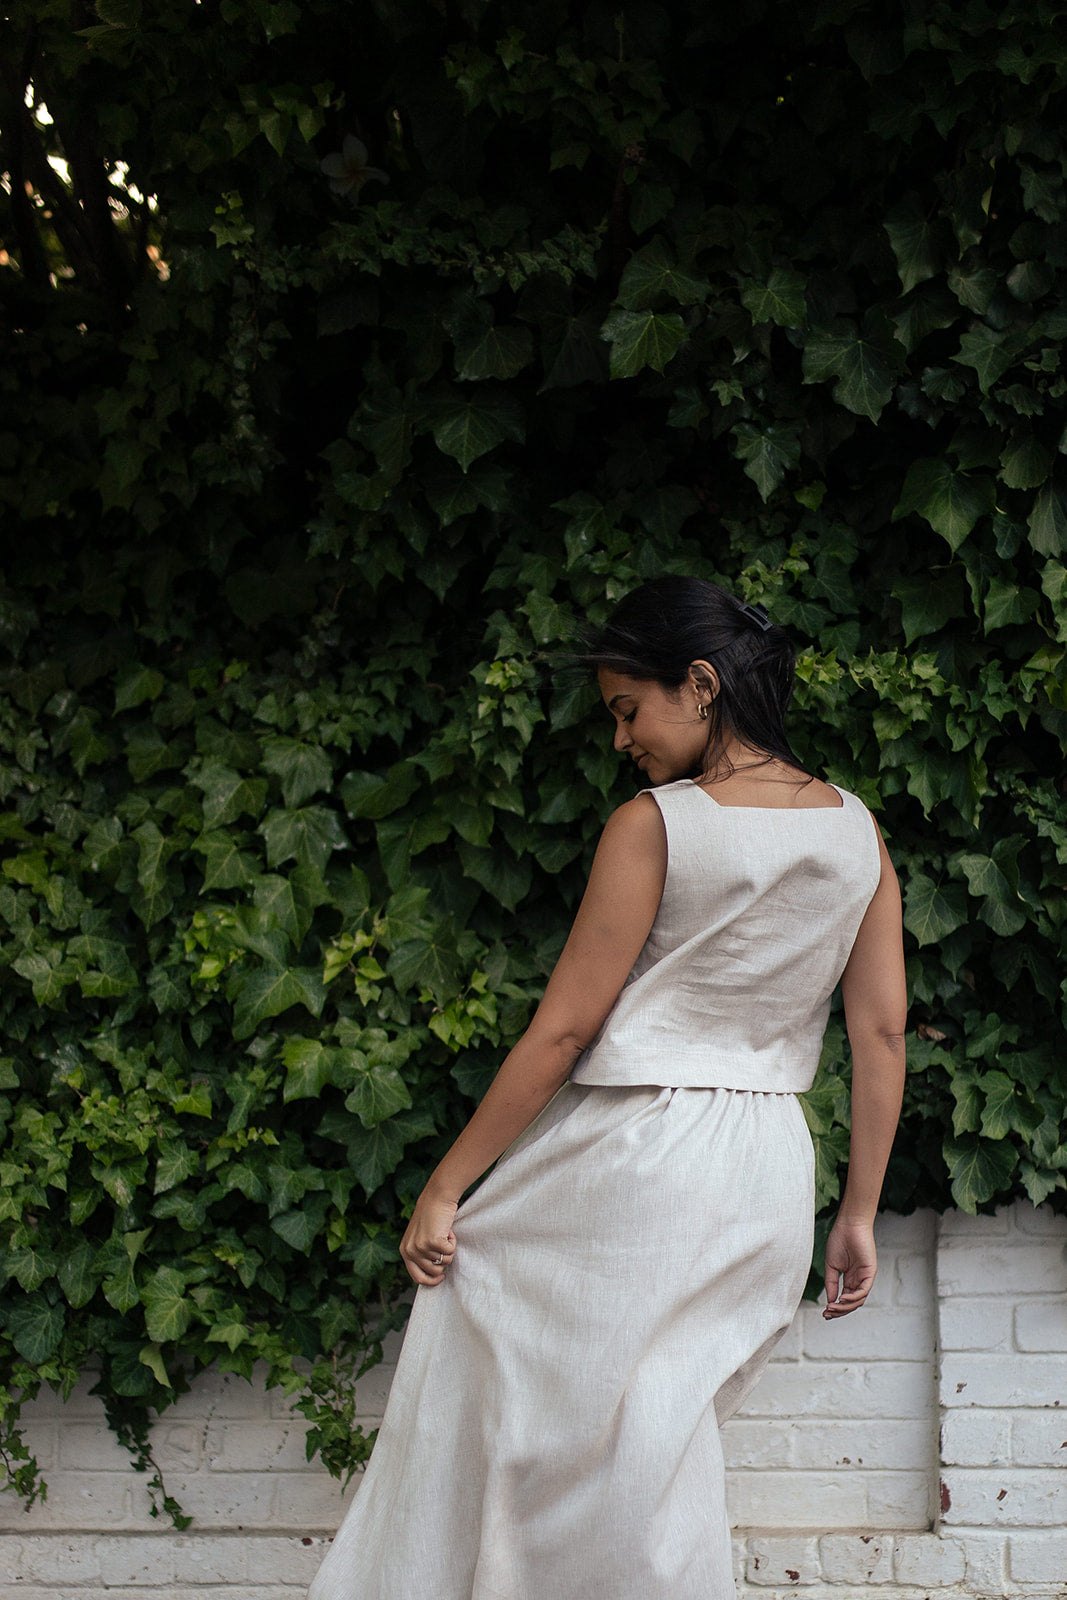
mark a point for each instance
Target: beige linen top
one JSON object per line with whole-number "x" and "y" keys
{"x": 759, "y": 912}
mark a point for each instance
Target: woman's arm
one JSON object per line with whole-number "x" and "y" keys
{"x": 876, "y": 1008}
{"x": 612, "y": 924}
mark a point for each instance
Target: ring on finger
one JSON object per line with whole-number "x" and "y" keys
{"x": 437, "y": 1260}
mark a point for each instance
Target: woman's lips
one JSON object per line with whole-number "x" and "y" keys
{"x": 641, "y": 761}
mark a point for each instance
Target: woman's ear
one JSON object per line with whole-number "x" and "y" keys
{"x": 704, "y": 679}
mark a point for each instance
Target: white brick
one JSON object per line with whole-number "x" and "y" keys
{"x": 1041, "y": 1324}
{"x": 977, "y": 1438}
{"x": 991, "y": 1380}
{"x": 80, "y": 1404}
{"x": 41, "y": 1437}
{"x": 1040, "y": 1220}
{"x": 899, "y": 1499}
{"x": 76, "y": 1500}
{"x": 760, "y": 1443}
{"x": 178, "y": 1446}
{"x": 986, "y": 1557}
{"x": 59, "y": 1559}
{"x": 264, "y": 1446}
{"x": 225, "y": 1500}
{"x": 310, "y": 1504}
{"x": 91, "y": 1447}
{"x": 782, "y": 1561}
{"x": 1004, "y": 1497}
{"x": 899, "y": 1446}
{"x": 975, "y": 1324}
{"x": 813, "y": 1500}
{"x": 12, "y": 1557}
{"x": 788, "y": 1347}
{"x": 173, "y": 1558}
{"x": 1039, "y": 1557}
{"x": 928, "y": 1561}
{"x": 856, "y": 1558}
{"x": 1019, "y": 1266}
{"x": 913, "y": 1281}
{"x": 259, "y": 1591}
{"x": 221, "y": 1395}
{"x": 1039, "y": 1438}
{"x": 961, "y": 1225}
{"x": 293, "y": 1560}
{"x": 911, "y": 1235}
{"x": 814, "y": 1389}
{"x": 873, "y": 1333}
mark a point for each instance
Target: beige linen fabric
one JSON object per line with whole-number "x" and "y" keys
{"x": 622, "y": 1275}
{"x": 759, "y": 912}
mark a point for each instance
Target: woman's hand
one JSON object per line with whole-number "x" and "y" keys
{"x": 429, "y": 1244}
{"x": 851, "y": 1263}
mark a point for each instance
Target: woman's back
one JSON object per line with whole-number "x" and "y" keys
{"x": 759, "y": 911}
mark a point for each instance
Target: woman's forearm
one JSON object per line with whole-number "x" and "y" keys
{"x": 877, "y": 1090}
{"x": 529, "y": 1076}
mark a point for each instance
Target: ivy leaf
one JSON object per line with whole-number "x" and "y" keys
{"x": 168, "y": 1310}
{"x": 950, "y": 501}
{"x": 137, "y": 685}
{"x": 226, "y": 866}
{"x": 308, "y": 835}
{"x": 269, "y": 991}
{"x": 985, "y": 351}
{"x": 35, "y": 1327}
{"x": 1005, "y": 1111}
{"x": 227, "y": 795}
{"x": 965, "y": 1085}
{"x": 174, "y": 1164}
{"x": 1025, "y": 465}
{"x": 373, "y": 1153}
{"x": 653, "y": 276}
{"x": 304, "y": 769}
{"x": 120, "y": 1287}
{"x": 1040, "y": 1182}
{"x": 429, "y": 962}
{"x": 31, "y": 1264}
{"x": 77, "y": 1279}
{"x": 926, "y": 607}
{"x": 640, "y": 339}
{"x": 931, "y": 912}
{"x": 1007, "y": 604}
{"x": 379, "y": 1093}
{"x": 292, "y": 900}
{"x": 767, "y": 453}
{"x": 501, "y": 352}
{"x": 467, "y": 426}
{"x": 1001, "y": 907}
{"x": 307, "y": 1068}
{"x": 1048, "y": 522}
{"x": 780, "y": 300}
{"x": 864, "y": 366}
{"x": 979, "y": 1169}
{"x": 918, "y": 241}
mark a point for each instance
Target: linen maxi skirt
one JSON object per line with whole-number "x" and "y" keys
{"x": 552, "y": 1432}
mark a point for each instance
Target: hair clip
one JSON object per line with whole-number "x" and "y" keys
{"x": 757, "y": 614}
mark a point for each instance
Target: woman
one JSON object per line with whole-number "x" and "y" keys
{"x": 591, "y": 1314}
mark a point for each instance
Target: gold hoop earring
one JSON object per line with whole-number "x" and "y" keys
{"x": 702, "y": 711}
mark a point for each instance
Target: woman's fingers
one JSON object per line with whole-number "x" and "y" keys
{"x": 426, "y": 1260}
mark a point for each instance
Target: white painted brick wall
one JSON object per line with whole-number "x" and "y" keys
{"x": 836, "y": 1482}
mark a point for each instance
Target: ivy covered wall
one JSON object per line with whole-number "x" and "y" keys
{"x": 352, "y": 356}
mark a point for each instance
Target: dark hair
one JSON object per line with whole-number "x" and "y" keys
{"x": 659, "y": 629}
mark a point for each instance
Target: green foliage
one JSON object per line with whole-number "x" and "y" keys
{"x": 354, "y": 354}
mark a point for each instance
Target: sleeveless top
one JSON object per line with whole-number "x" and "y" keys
{"x": 759, "y": 913}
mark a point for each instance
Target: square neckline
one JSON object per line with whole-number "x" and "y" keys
{"x": 772, "y": 809}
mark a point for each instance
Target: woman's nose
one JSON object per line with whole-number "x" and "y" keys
{"x": 622, "y": 740}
